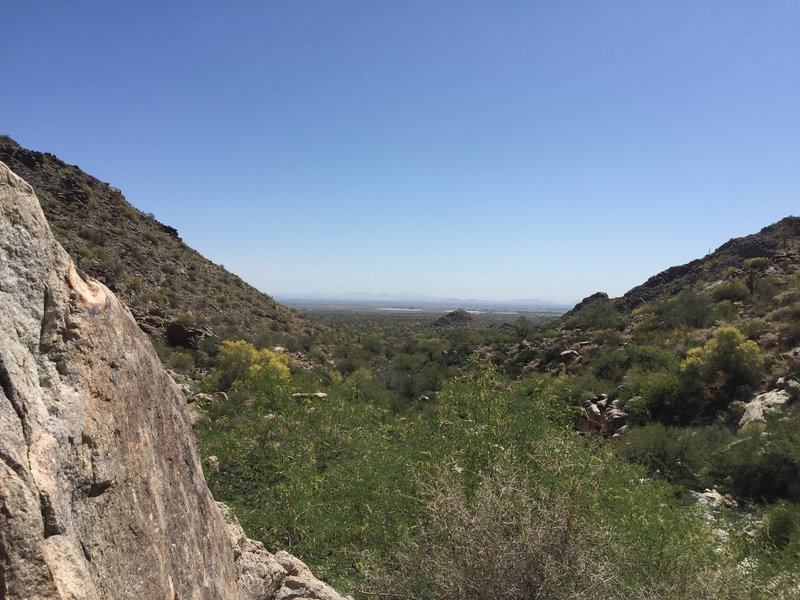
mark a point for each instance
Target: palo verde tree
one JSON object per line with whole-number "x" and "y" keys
{"x": 725, "y": 368}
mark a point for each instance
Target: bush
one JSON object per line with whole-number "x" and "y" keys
{"x": 764, "y": 466}
{"x": 733, "y": 291}
{"x": 502, "y": 543}
{"x": 754, "y": 269}
{"x": 689, "y": 309}
{"x": 662, "y": 395}
{"x": 781, "y": 526}
{"x": 600, "y": 314}
{"x": 237, "y": 361}
{"x": 724, "y": 369}
{"x": 679, "y": 454}
{"x": 610, "y": 363}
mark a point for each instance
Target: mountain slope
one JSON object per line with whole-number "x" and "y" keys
{"x": 170, "y": 288}
{"x": 774, "y": 242}
{"x": 751, "y": 283}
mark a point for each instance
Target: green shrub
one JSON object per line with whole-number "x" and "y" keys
{"x": 689, "y": 309}
{"x": 734, "y": 291}
{"x": 610, "y": 363}
{"x": 679, "y": 454}
{"x": 181, "y": 361}
{"x": 599, "y": 314}
{"x": 662, "y": 394}
{"x": 240, "y": 362}
{"x": 725, "y": 368}
{"x": 652, "y": 358}
{"x": 667, "y": 451}
{"x": 93, "y": 235}
{"x": 726, "y": 310}
{"x": 764, "y": 466}
{"x": 781, "y": 526}
{"x": 753, "y": 272}
{"x": 466, "y": 545}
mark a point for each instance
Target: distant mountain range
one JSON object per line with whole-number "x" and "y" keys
{"x": 421, "y": 301}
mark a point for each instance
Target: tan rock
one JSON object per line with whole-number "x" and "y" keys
{"x": 101, "y": 491}
{"x": 756, "y": 410}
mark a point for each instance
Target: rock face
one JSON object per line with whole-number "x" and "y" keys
{"x": 101, "y": 490}
{"x": 756, "y": 410}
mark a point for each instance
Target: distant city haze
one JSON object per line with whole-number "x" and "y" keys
{"x": 514, "y": 150}
{"x": 421, "y": 301}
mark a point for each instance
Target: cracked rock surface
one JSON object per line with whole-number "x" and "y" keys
{"x": 101, "y": 490}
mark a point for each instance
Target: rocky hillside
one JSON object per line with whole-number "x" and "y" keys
{"x": 101, "y": 490}
{"x": 751, "y": 283}
{"x": 172, "y": 290}
{"x": 777, "y": 242}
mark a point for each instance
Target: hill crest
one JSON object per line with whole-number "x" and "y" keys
{"x": 174, "y": 292}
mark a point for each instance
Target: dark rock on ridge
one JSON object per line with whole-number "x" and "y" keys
{"x": 101, "y": 491}
{"x": 593, "y": 299}
{"x": 454, "y": 318}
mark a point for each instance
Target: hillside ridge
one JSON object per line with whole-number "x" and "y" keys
{"x": 175, "y": 293}
{"x": 764, "y": 243}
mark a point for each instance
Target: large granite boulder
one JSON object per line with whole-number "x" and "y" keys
{"x": 101, "y": 490}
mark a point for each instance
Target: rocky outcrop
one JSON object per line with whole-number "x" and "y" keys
{"x": 603, "y": 416}
{"x": 588, "y": 301}
{"x": 759, "y": 407}
{"x": 454, "y": 318}
{"x": 101, "y": 490}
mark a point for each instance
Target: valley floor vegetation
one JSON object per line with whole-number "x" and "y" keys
{"x": 443, "y": 463}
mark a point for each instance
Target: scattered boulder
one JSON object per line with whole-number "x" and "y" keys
{"x": 788, "y": 383}
{"x": 713, "y": 500}
{"x": 603, "y": 416}
{"x": 184, "y": 335}
{"x": 756, "y": 410}
{"x": 268, "y": 576}
{"x": 195, "y": 414}
{"x": 310, "y": 396}
{"x": 203, "y": 398}
{"x": 569, "y": 356}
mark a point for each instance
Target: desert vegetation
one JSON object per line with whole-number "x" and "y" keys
{"x": 420, "y": 462}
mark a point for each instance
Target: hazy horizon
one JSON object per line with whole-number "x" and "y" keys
{"x": 452, "y": 149}
{"x": 411, "y": 297}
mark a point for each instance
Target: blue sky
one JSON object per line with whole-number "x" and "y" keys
{"x": 453, "y": 148}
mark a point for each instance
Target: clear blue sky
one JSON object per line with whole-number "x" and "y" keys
{"x": 476, "y": 149}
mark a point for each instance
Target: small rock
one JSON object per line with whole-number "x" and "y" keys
{"x": 569, "y": 355}
{"x": 213, "y": 463}
{"x": 203, "y": 398}
{"x": 318, "y": 395}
